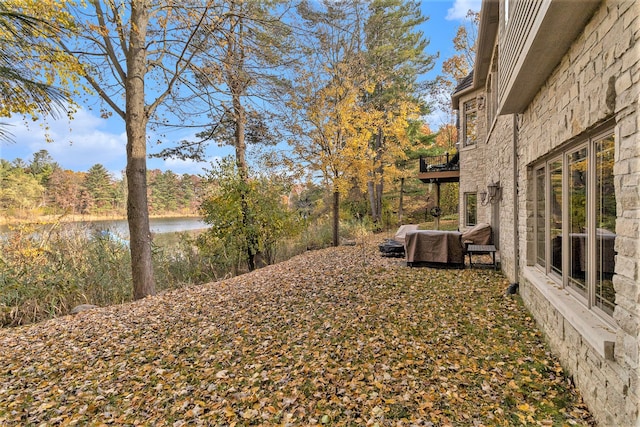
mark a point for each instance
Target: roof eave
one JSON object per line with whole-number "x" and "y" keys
{"x": 487, "y": 33}
{"x": 560, "y": 25}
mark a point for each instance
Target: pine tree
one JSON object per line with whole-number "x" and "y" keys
{"x": 99, "y": 186}
{"x": 396, "y": 57}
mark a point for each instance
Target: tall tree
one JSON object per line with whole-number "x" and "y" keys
{"x": 99, "y": 185}
{"x": 331, "y": 128}
{"x": 245, "y": 49}
{"x": 18, "y": 189}
{"x": 63, "y": 190}
{"x": 396, "y": 57}
{"x": 164, "y": 188}
{"x": 42, "y": 166}
{"x": 459, "y": 65}
{"x": 121, "y": 45}
{"x": 187, "y": 192}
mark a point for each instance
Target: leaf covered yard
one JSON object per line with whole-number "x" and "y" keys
{"x": 336, "y": 337}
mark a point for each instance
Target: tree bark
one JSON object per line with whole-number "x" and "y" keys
{"x": 375, "y": 185}
{"x": 379, "y": 189}
{"x": 241, "y": 162}
{"x": 401, "y": 202}
{"x": 336, "y": 217}
{"x": 136, "y": 171}
{"x": 371, "y": 189}
{"x": 379, "y": 174}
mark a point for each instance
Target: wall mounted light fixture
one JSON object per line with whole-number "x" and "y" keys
{"x": 480, "y": 100}
{"x": 492, "y": 194}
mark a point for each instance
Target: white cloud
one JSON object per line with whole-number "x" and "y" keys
{"x": 460, "y": 9}
{"x": 88, "y": 139}
{"x": 85, "y": 140}
{"x": 180, "y": 166}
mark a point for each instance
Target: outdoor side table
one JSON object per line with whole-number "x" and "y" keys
{"x": 482, "y": 250}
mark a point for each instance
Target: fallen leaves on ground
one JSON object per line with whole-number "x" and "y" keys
{"x": 335, "y": 337}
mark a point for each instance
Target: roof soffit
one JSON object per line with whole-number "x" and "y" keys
{"x": 487, "y": 33}
{"x": 556, "y": 29}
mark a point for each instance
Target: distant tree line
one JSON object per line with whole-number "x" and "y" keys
{"x": 41, "y": 186}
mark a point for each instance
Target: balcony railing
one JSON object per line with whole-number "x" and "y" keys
{"x": 440, "y": 163}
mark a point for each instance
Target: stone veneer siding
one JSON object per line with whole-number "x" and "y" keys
{"x": 471, "y": 161}
{"x": 491, "y": 160}
{"x": 598, "y": 79}
{"x": 499, "y": 167}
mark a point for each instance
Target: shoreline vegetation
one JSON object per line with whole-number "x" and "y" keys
{"x": 43, "y": 278}
{"x": 50, "y": 218}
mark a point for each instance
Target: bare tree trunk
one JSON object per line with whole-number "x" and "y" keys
{"x": 401, "y": 202}
{"x": 241, "y": 161}
{"x": 379, "y": 188}
{"x": 336, "y": 217}
{"x": 375, "y": 185}
{"x": 380, "y": 174}
{"x": 372, "y": 197}
{"x": 136, "y": 171}
{"x": 240, "y": 145}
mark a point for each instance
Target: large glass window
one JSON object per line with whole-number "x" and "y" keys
{"x": 540, "y": 217}
{"x": 470, "y": 209}
{"x": 574, "y": 220}
{"x": 470, "y": 122}
{"x": 577, "y": 178}
{"x": 555, "y": 215}
{"x": 605, "y": 221}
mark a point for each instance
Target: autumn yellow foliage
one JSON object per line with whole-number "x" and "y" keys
{"x": 28, "y": 33}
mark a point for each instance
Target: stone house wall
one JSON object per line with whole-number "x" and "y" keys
{"x": 472, "y": 162}
{"x": 597, "y": 80}
{"x": 491, "y": 160}
{"x": 499, "y": 163}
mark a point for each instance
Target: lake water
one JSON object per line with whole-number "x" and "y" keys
{"x": 157, "y": 225}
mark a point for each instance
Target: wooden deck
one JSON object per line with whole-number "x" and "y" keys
{"x": 439, "y": 169}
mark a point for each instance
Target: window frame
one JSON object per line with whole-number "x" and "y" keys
{"x": 541, "y": 171}
{"x": 465, "y": 121}
{"x": 467, "y": 203}
{"x": 592, "y": 144}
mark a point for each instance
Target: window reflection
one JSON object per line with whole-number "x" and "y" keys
{"x": 470, "y": 119}
{"x": 605, "y": 223}
{"x": 555, "y": 221}
{"x": 540, "y": 217}
{"x": 574, "y": 220}
{"x": 471, "y": 204}
{"x": 577, "y": 219}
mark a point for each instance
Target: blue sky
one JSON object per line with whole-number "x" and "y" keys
{"x": 89, "y": 139}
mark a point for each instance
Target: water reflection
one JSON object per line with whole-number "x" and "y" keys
{"x": 120, "y": 227}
